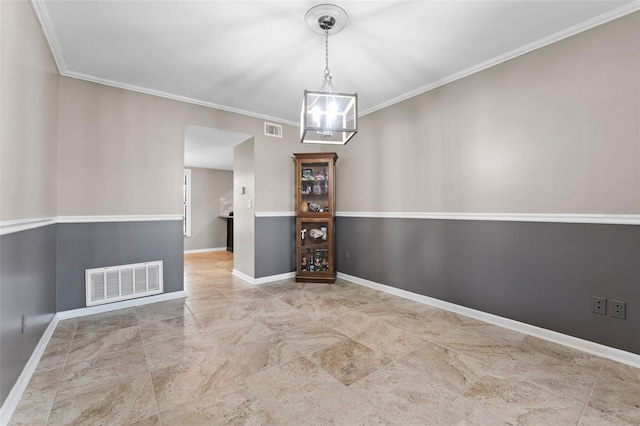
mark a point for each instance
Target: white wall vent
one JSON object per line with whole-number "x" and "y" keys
{"x": 116, "y": 283}
{"x": 274, "y": 130}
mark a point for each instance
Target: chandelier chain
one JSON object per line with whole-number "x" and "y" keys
{"x": 327, "y": 71}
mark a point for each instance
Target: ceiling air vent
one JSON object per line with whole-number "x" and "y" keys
{"x": 274, "y": 130}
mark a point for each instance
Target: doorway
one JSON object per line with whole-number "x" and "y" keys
{"x": 208, "y": 197}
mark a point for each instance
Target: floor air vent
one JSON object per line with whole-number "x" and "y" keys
{"x": 116, "y": 283}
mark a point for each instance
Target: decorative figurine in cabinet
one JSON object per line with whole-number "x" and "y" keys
{"x": 315, "y": 211}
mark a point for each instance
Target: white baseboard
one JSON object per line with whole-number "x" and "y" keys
{"x": 243, "y": 276}
{"x": 206, "y": 250}
{"x": 531, "y": 330}
{"x": 272, "y": 278}
{"x": 10, "y": 404}
{"x": 263, "y": 280}
{"x": 275, "y": 214}
{"x": 81, "y": 312}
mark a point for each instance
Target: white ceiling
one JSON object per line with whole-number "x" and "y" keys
{"x": 257, "y": 57}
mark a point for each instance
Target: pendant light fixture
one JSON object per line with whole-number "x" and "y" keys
{"x": 327, "y": 117}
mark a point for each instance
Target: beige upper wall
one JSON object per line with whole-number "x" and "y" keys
{"x": 121, "y": 152}
{"x": 553, "y": 131}
{"x": 274, "y": 166}
{"x": 29, "y": 116}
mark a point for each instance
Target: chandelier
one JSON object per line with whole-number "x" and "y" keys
{"x": 327, "y": 116}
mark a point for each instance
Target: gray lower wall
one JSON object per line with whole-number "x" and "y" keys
{"x": 27, "y": 286}
{"x": 542, "y": 274}
{"x": 92, "y": 245}
{"x": 275, "y": 246}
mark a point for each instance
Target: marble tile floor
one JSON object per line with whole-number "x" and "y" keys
{"x": 312, "y": 354}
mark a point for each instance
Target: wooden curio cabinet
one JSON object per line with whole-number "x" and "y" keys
{"x": 315, "y": 211}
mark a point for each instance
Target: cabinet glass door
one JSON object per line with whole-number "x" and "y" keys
{"x": 314, "y": 187}
{"x": 315, "y": 237}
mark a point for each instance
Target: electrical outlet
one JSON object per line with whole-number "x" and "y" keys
{"x": 618, "y": 309}
{"x": 24, "y": 323}
{"x": 346, "y": 254}
{"x": 599, "y": 305}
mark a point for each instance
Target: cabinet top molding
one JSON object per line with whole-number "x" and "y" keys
{"x": 316, "y": 155}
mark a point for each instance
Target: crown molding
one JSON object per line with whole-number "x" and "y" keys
{"x": 538, "y": 44}
{"x": 52, "y": 39}
{"x": 49, "y": 32}
{"x": 185, "y": 99}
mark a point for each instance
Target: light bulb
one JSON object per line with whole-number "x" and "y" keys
{"x": 332, "y": 110}
{"x": 316, "y": 115}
